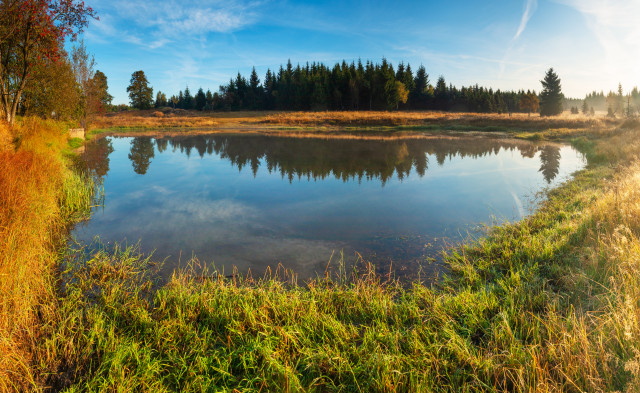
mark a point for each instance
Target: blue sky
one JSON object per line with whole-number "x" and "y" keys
{"x": 592, "y": 44}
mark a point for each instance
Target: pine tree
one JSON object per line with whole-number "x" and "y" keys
{"x": 585, "y": 107}
{"x": 407, "y": 78}
{"x": 255, "y": 92}
{"x": 161, "y": 100}
{"x": 188, "y": 99}
{"x": 619, "y": 102}
{"x": 418, "y": 94}
{"x": 200, "y": 100}
{"x": 209, "y": 98}
{"x": 180, "y": 102}
{"x": 442, "y": 96}
{"x": 551, "y": 95}
{"x": 140, "y": 93}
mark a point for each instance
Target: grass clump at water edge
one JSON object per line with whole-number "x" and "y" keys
{"x": 546, "y": 304}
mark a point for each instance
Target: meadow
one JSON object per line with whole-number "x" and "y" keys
{"x": 345, "y": 120}
{"x": 550, "y": 303}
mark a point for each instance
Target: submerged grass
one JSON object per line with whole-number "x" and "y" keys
{"x": 551, "y": 303}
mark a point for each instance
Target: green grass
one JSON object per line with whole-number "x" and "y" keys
{"x": 75, "y": 143}
{"x": 551, "y": 303}
{"x": 530, "y": 307}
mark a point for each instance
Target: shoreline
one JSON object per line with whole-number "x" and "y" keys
{"x": 537, "y": 303}
{"x": 360, "y": 124}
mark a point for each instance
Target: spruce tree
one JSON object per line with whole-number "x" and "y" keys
{"x": 209, "y": 98}
{"x": 201, "y": 100}
{"x": 551, "y": 95}
{"x": 420, "y": 87}
{"x": 441, "y": 93}
{"x": 188, "y": 99}
{"x": 585, "y": 107}
{"x": 180, "y": 103}
{"x": 161, "y": 100}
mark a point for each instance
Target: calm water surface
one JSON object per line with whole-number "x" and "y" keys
{"x": 254, "y": 201}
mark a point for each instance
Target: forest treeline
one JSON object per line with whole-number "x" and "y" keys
{"x": 378, "y": 86}
{"x": 354, "y": 86}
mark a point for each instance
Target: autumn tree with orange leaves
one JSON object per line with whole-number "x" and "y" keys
{"x": 31, "y": 32}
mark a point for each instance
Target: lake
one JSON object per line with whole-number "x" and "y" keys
{"x": 255, "y": 201}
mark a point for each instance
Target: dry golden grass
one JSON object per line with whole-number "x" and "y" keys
{"x": 175, "y": 118}
{"x": 28, "y": 209}
{"x": 433, "y": 118}
{"x": 612, "y": 333}
{"x": 6, "y": 137}
{"x": 168, "y": 118}
{"x": 34, "y": 189}
{"x": 599, "y": 336}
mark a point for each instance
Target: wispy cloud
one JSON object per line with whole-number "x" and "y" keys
{"x": 530, "y": 8}
{"x": 154, "y": 24}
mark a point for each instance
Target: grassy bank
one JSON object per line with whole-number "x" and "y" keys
{"x": 551, "y": 303}
{"x": 39, "y": 197}
{"x": 186, "y": 121}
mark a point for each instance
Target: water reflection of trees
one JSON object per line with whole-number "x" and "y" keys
{"x": 346, "y": 159}
{"x": 142, "y": 152}
{"x": 550, "y": 159}
{"x": 95, "y": 158}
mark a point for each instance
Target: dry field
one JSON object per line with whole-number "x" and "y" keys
{"x": 422, "y": 118}
{"x": 174, "y": 118}
{"x": 336, "y": 120}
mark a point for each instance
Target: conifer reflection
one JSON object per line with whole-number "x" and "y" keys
{"x": 316, "y": 158}
{"x": 549, "y": 162}
{"x": 346, "y": 159}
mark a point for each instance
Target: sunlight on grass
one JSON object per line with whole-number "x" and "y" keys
{"x": 551, "y": 303}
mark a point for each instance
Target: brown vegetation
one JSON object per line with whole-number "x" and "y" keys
{"x": 338, "y": 120}
{"x": 515, "y": 120}
{"x": 167, "y": 117}
{"x": 35, "y": 191}
{"x": 6, "y": 138}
